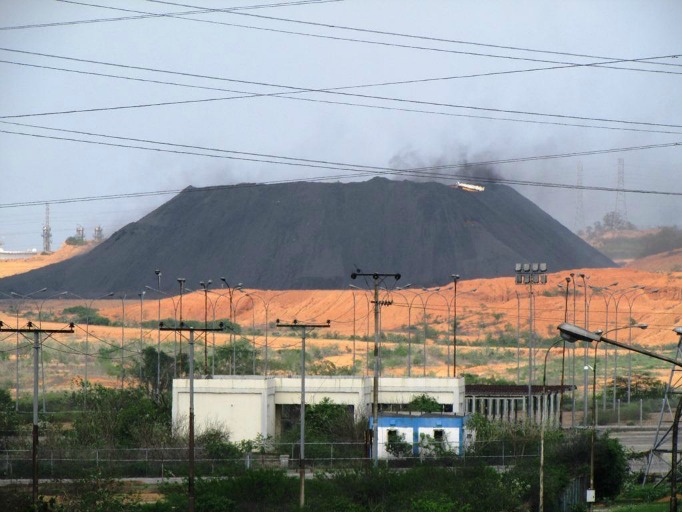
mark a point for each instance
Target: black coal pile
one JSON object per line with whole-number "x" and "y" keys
{"x": 314, "y": 235}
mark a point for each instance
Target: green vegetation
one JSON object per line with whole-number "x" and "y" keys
{"x": 665, "y": 238}
{"x": 84, "y": 316}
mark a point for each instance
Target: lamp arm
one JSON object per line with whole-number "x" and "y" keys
{"x": 641, "y": 351}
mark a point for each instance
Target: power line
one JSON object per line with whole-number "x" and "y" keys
{"x": 424, "y": 172}
{"x": 422, "y": 37}
{"x": 327, "y": 164}
{"x": 285, "y": 95}
{"x": 333, "y": 91}
{"x": 380, "y": 43}
{"x": 155, "y": 15}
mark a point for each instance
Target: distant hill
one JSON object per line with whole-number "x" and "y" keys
{"x": 313, "y": 235}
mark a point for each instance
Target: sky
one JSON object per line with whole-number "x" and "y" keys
{"x": 109, "y": 108}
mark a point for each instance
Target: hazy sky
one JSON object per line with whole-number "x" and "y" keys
{"x": 223, "y": 98}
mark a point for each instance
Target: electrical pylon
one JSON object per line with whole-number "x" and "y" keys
{"x": 47, "y": 231}
{"x": 621, "y": 205}
{"x": 673, "y": 390}
{"x": 579, "y": 223}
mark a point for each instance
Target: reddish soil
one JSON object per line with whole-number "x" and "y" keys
{"x": 652, "y": 297}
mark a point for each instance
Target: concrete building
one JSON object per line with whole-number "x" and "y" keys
{"x": 510, "y": 403}
{"x": 421, "y": 435}
{"x": 249, "y": 405}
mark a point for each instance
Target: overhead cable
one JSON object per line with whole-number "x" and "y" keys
{"x": 333, "y": 91}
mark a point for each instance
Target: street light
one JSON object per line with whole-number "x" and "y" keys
{"x": 158, "y": 337}
{"x": 87, "y": 336}
{"x": 367, "y": 316}
{"x": 141, "y": 295}
{"x": 631, "y": 302}
{"x": 204, "y": 286}
{"x": 573, "y": 333}
{"x": 585, "y": 325}
{"x": 230, "y": 291}
{"x": 447, "y": 305}
{"x": 543, "y": 406}
{"x": 621, "y": 295}
{"x": 123, "y": 323}
{"x": 409, "y": 324}
{"x": 175, "y": 336}
{"x": 455, "y": 278}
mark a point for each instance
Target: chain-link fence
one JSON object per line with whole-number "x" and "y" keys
{"x": 64, "y": 463}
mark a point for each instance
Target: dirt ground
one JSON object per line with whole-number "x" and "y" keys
{"x": 483, "y": 307}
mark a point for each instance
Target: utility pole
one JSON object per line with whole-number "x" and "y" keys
{"x": 377, "y": 278}
{"x": 301, "y": 463}
{"x": 30, "y": 328}
{"x": 180, "y": 329}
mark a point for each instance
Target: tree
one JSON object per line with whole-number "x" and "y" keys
{"x": 243, "y": 354}
{"x": 9, "y": 419}
{"x": 120, "y": 418}
{"x": 424, "y": 403}
{"x": 147, "y": 370}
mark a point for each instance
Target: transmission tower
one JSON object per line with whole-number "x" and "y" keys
{"x": 579, "y": 222}
{"x": 47, "y": 231}
{"x": 661, "y": 450}
{"x": 621, "y": 207}
{"x": 99, "y": 234}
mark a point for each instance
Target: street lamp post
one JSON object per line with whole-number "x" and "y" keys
{"x": 181, "y": 282}
{"x": 123, "y": 323}
{"x": 543, "y": 406}
{"x": 409, "y": 318}
{"x": 630, "y": 302}
{"x": 230, "y": 292}
{"x": 87, "y": 336}
{"x": 573, "y": 333}
{"x": 158, "y": 337}
{"x": 447, "y": 306}
{"x": 455, "y": 278}
{"x": 607, "y": 295}
{"x": 175, "y": 342}
{"x": 409, "y": 331}
{"x": 518, "y": 338}
{"x": 141, "y": 295}
{"x": 585, "y": 354}
{"x": 204, "y": 286}
{"x": 617, "y": 300}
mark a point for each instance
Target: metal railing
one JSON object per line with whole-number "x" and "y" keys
{"x": 68, "y": 463}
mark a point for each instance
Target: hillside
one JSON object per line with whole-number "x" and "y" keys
{"x": 313, "y": 235}
{"x": 20, "y": 266}
{"x": 488, "y": 313}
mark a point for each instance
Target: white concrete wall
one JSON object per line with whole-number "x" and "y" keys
{"x": 450, "y": 436}
{"x": 245, "y": 404}
{"x": 407, "y": 432}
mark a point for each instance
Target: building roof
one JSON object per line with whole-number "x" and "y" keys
{"x": 512, "y": 389}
